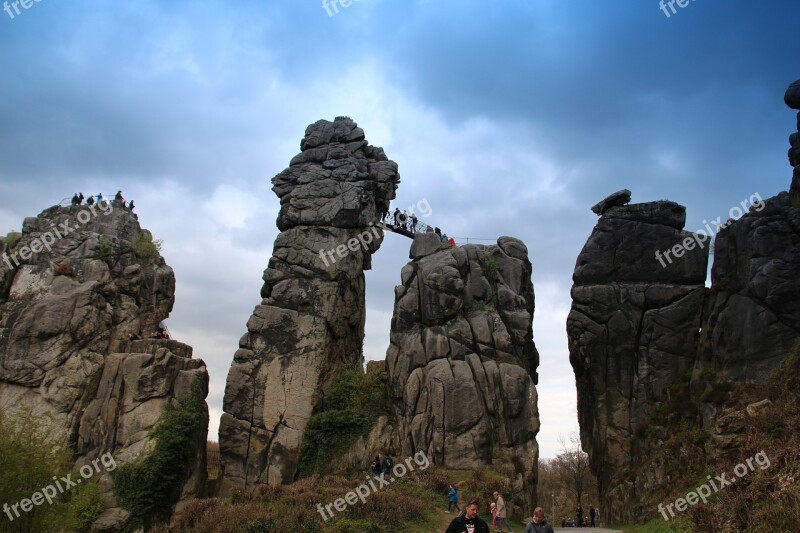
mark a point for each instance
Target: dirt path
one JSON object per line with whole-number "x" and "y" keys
{"x": 592, "y": 530}
{"x": 445, "y": 519}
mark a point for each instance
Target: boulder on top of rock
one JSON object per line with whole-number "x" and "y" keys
{"x": 621, "y": 197}
{"x": 792, "y": 96}
{"x": 426, "y": 244}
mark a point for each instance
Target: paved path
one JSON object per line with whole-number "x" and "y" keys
{"x": 586, "y": 529}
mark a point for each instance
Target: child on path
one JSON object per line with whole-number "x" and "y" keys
{"x": 495, "y": 520}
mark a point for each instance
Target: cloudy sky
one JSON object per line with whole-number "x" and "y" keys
{"x": 508, "y": 117}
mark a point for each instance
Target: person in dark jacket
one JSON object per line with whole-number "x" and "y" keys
{"x": 387, "y": 464}
{"x": 538, "y": 524}
{"x": 469, "y": 522}
{"x": 377, "y": 468}
{"x": 592, "y": 515}
{"x": 579, "y": 515}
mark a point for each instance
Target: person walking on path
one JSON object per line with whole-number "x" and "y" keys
{"x": 592, "y": 515}
{"x": 538, "y": 523}
{"x": 579, "y": 514}
{"x": 502, "y": 513}
{"x": 469, "y": 522}
{"x": 452, "y": 499}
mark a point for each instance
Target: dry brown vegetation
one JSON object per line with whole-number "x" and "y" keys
{"x": 769, "y": 499}
{"x": 412, "y": 503}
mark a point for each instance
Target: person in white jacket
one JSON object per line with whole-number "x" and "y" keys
{"x": 502, "y": 513}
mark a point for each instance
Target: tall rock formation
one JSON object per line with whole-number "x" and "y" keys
{"x": 634, "y": 325}
{"x": 753, "y": 310}
{"x": 792, "y": 99}
{"x": 654, "y": 353}
{"x": 462, "y": 362}
{"x": 309, "y": 325}
{"x": 76, "y": 285}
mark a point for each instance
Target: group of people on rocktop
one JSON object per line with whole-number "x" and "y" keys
{"x": 401, "y": 219}
{"x": 118, "y": 201}
{"x": 468, "y": 520}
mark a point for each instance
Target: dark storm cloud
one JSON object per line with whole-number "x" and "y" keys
{"x": 510, "y": 118}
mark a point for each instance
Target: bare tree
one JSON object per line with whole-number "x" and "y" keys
{"x": 565, "y": 480}
{"x": 572, "y": 466}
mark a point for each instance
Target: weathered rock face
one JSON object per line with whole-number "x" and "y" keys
{"x": 792, "y": 99}
{"x": 462, "y": 362}
{"x": 634, "y": 325}
{"x": 754, "y": 304}
{"x": 753, "y": 317}
{"x": 310, "y": 323}
{"x": 72, "y": 290}
{"x": 644, "y": 333}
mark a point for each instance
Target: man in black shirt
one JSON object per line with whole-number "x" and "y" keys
{"x": 469, "y": 521}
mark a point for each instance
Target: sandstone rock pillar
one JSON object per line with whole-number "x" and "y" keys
{"x": 462, "y": 362}
{"x": 309, "y": 325}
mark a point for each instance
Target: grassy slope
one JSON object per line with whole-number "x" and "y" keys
{"x": 763, "y": 500}
{"x": 413, "y": 504}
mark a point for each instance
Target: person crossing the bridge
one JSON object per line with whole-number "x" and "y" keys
{"x": 413, "y": 225}
{"x": 396, "y": 215}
